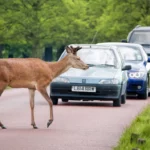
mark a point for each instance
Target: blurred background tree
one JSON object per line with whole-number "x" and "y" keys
{"x": 33, "y": 28}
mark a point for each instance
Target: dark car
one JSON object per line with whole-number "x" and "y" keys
{"x": 140, "y": 35}
{"x": 139, "y": 75}
{"x": 106, "y": 78}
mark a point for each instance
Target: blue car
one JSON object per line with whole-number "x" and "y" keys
{"x": 138, "y": 76}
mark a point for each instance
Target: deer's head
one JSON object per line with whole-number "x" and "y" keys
{"x": 74, "y": 60}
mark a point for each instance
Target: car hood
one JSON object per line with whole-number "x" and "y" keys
{"x": 108, "y": 72}
{"x": 136, "y": 66}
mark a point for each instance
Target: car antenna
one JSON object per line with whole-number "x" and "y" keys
{"x": 94, "y": 37}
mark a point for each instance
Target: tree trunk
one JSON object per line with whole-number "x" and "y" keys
{"x": 37, "y": 52}
{"x": 60, "y": 50}
{"x": 48, "y": 54}
{"x": 1, "y": 49}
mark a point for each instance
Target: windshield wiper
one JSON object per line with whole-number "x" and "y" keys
{"x": 91, "y": 65}
{"x": 109, "y": 65}
{"x": 99, "y": 65}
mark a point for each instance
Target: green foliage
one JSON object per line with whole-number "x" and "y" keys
{"x": 61, "y": 22}
{"x": 140, "y": 126}
{"x": 18, "y": 50}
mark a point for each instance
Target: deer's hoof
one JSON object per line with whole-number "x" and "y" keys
{"x": 49, "y": 122}
{"x": 3, "y": 127}
{"x": 35, "y": 127}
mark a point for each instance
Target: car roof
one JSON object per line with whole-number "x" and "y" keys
{"x": 94, "y": 46}
{"x": 82, "y": 45}
{"x": 119, "y": 43}
{"x": 139, "y": 28}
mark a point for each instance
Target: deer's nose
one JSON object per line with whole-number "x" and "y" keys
{"x": 86, "y": 67}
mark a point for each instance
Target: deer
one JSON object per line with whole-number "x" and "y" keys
{"x": 36, "y": 74}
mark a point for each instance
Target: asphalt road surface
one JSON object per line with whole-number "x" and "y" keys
{"x": 77, "y": 125}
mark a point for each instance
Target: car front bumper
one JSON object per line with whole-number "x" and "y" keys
{"x": 136, "y": 86}
{"x": 103, "y": 92}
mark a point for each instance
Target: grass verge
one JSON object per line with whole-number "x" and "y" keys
{"x": 137, "y": 136}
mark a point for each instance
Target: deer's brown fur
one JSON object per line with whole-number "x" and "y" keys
{"x": 36, "y": 74}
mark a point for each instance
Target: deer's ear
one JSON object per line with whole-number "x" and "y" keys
{"x": 72, "y": 50}
{"x": 68, "y": 49}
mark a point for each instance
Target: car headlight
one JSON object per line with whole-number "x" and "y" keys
{"x": 109, "y": 81}
{"x": 60, "y": 79}
{"x": 136, "y": 74}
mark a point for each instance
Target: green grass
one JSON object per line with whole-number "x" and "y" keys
{"x": 140, "y": 126}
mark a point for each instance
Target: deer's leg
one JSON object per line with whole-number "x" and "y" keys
{"x": 45, "y": 95}
{"x": 2, "y": 88}
{"x": 32, "y": 93}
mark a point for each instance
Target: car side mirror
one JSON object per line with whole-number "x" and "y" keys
{"x": 145, "y": 63}
{"x": 148, "y": 59}
{"x": 124, "y": 40}
{"x": 127, "y": 67}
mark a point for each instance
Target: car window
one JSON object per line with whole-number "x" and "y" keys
{"x": 131, "y": 53}
{"x": 97, "y": 56}
{"x": 140, "y": 37}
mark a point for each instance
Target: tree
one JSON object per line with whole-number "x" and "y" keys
{"x": 121, "y": 16}
{"x": 30, "y": 22}
{"x": 37, "y": 23}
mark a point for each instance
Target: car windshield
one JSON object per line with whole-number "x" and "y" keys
{"x": 140, "y": 37}
{"x": 98, "y": 57}
{"x": 130, "y": 53}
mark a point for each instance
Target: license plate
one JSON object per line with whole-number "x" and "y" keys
{"x": 83, "y": 89}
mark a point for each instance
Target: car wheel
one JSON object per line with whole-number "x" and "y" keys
{"x": 145, "y": 93}
{"x": 123, "y": 99}
{"x": 54, "y": 100}
{"x": 117, "y": 102}
{"x": 64, "y": 100}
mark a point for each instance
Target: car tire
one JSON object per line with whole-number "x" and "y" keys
{"x": 123, "y": 99}
{"x": 54, "y": 100}
{"x": 64, "y": 100}
{"x": 117, "y": 102}
{"x": 145, "y": 94}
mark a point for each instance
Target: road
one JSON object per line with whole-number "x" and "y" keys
{"x": 77, "y": 125}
